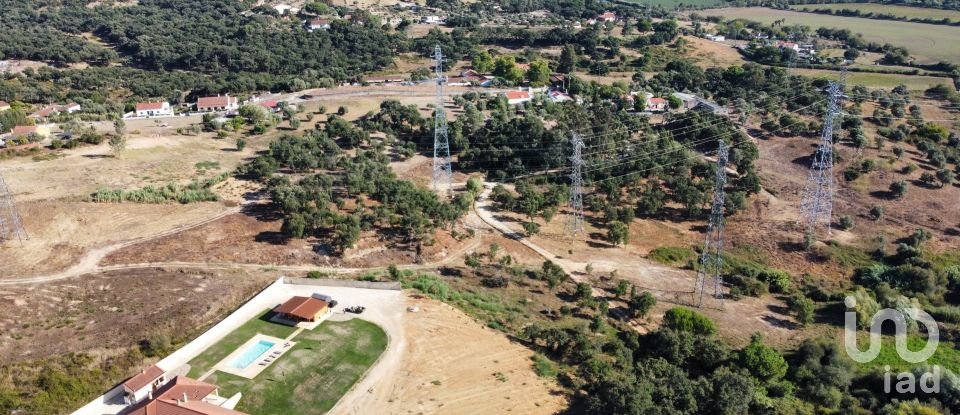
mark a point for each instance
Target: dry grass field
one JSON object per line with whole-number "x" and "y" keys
{"x": 896, "y": 10}
{"x": 454, "y": 365}
{"x": 713, "y": 54}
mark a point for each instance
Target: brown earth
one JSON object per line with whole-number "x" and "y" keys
{"x": 455, "y": 365}
{"x": 102, "y": 313}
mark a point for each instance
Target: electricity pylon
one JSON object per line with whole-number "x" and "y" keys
{"x": 710, "y": 258}
{"x": 10, "y": 224}
{"x": 575, "y": 221}
{"x": 442, "y": 174}
{"x": 817, "y": 204}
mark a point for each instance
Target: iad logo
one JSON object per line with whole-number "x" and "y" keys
{"x": 907, "y": 382}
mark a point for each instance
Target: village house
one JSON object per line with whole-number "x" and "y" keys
{"x": 318, "y": 24}
{"x": 518, "y": 97}
{"x": 4, "y": 106}
{"x": 181, "y": 396}
{"x": 559, "y": 96}
{"x": 26, "y": 130}
{"x": 687, "y": 101}
{"x": 283, "y": 9}
{"x": 153, "y": 109}
{"x": 431, "y": 20}
{"x": 217, "y": 103}
{"x": 788, "y": 45}
{"x": 656, "y": 104}
{"x": 48, "y": 111}
{"x": 271, "y": 105}
{"x": 716, "y": 38}
{"x": 607, "y": 17}
{"x": 142, "y": 385}
{"x": 70, "y": 107}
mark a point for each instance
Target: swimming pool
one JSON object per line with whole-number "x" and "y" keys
{"x": 251, "y": 355}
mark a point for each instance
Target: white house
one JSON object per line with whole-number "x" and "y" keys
{"x": 283, "y": 9}
{"x": 218, "y": 103}
{"x": 143, "y": 385}
{"x": 70, "y": 108}
{"x": 716, "y": 38}
{"x": 153, "y": 109}
{"x": 607, "y": 17}
{"x": 318, "y": 24}
{"x": 432, "y": 20}
{"x": 656, "y": 104}
{"x": 559, "y": 96}
{"x": 518, "y": 97}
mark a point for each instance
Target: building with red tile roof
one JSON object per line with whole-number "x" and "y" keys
{"x": 303, "y": 308}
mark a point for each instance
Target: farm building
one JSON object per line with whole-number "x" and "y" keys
{"x": 318, "y": 24}
{"x": 303, "y": 309}
{"x": 218, "y": 103}
{"x": 716, "y": 38}
{"x": 656, "y": 104}
{"x": 153, "y": 109}
{"x": 183, "y": 395}
{"x": 4, "y": 106}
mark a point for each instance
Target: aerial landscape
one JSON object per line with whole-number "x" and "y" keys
{"x": 479, "y": 207}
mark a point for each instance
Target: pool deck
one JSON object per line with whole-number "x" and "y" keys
{"x": 280, "y": 347}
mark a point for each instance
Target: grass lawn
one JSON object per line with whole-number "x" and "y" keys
{"x": 232, "y": 341}
{"x": 314, "y": 374}
{"x": 896, "y": 10}
{"x": 879, "y": 80}
{"x": 946, "y": 355}
{"x": 929, "y": 43}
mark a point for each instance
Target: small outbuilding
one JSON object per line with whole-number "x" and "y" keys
{"x": 303, "y": 309}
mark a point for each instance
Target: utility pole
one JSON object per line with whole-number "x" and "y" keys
{"x": 575, "y": 221}
{"x": 10, "y": 224}
{"x": 711, "y": 260}
{"x": 817, "y": 203}
{"x": 442, "y": 175}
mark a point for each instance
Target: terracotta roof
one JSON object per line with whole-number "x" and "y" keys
{"x": 319, "y": 22}
{"x": 657, "y": 100}
{"x": 302, "y": 307}
{"x": 269, "y": 103}
{"x": 44, "y": 112}
{"x": 4, "y": 104}
{"x": 181, "y": 396}
{"x": 149, "y": 106}
{"x": 143, "y": 379}
{"x": 24, "y": 129}
{"x": 518, "y": 94}
{"x": 215, "y": 102}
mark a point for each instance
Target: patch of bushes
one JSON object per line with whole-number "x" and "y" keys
{"x": 172, "y": 192}
{"x": 687, "y": 320}
{"x": 675, "y": 256}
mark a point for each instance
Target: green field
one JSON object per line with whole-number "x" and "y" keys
{"x": 671, "y": 4}
{"x": 945, "y": 356}
{"x": 928, "y": 43}
{"x": 205, "y": 361}
{"x": 879, "y": 80}
{"x": 901, "y": 11}
{"x": 312, "y": 376}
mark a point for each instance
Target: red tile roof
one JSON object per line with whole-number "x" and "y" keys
{"x": 181, "y": 396}
{"x": 269, "y": 104}
{"x": 4, "y": 104}
{"x": 143, "y": 379}
{"x": 24, "y": 129}
{"x": 149, "y": 106}
{"x": 518, "y": 94}
{"x": 215, "y": 102}
{"x": 657, "y": 100}
{"x": 304, "y": 308}
{"x": 44, "y": 112}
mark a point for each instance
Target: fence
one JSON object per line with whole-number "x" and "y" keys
{"x": 326, "y": 282}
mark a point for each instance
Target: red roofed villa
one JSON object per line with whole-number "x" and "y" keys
{"x": 218, "y": 103}
{"x": 656, "y": 104}
{"x": 518, "y": 97}
{"x": 185, "y": 396}
{"x": 153, "y": 109}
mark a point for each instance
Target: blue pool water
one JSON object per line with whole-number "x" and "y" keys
{"x": 251, "y": 355}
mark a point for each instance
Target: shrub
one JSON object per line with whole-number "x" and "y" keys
{"x": 685, "y": 319}
{"x": 640, "y": 305}
{"x": 846, "y": 222}
{"x": 672, "y": 255}
{"x": 741, "y": 285}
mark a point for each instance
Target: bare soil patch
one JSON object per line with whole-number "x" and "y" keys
{"x": 100, "y": 313}
{"x": 450, "y": 365}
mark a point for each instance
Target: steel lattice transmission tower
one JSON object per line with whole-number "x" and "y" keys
{"x": 710, "y": 258}
{"x": 575, "y": 221}
{"x": 442, "y": 174}
{"x": 817, "y": 204}
{"x": 10, "y": 225}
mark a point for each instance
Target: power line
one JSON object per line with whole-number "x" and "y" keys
{"x": 575, "y": 221}
{"x": 10, "y": 224}
{"x": 817, "y": 203}
{"x": 711, "y": 259}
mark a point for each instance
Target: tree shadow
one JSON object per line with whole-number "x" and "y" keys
{"x": 780, "y": 322}
{"x": 272, "y": 238}
{"x": 831, "y": 314}
{"x": 882, "y": 194}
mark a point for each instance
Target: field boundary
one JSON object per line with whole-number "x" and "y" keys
{"x": 329, "y": 282}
